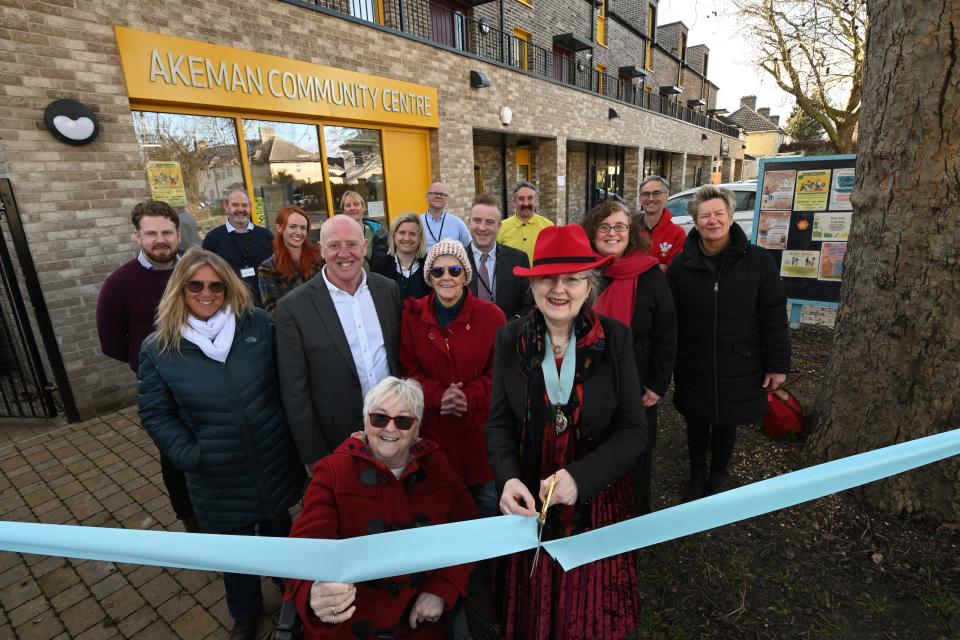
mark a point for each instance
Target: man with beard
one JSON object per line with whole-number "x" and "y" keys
{"x": 520, "y": 230}
{"x": 126, "y": 307}
{"x": 240, "y": 242}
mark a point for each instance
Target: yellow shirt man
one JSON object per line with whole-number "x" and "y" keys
{"x": 520, "y": 230}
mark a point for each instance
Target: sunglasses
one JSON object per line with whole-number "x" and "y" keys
{"x": 454, "y": 270}
{"x": 381, "y": 420}
{"x": 196, "y": 286}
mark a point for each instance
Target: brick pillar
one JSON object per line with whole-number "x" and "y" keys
{"x": 454, "y": 154}
{"x": 677, "y": 169}
{"x": 551, "y": 162}
{"x": 632, "y": 175}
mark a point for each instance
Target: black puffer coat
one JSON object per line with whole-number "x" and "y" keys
{"x": 732, "y": 330}
{"x": 223, "y": 425}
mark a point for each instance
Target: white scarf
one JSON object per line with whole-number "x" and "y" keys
{"x": 213, "y": 336}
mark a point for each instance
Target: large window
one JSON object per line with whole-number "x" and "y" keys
{"x": 285, "y": 168}
{"x": 191, "y": 162}
{"x": 605, "y": 170}
{"x": 355, "y": 162}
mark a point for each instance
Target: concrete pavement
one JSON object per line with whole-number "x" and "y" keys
{"x": 106, "y": 473}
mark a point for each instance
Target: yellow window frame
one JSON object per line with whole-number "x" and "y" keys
{"x": 602, "y": 24}
{"x": 600, "y": 71}
{"x": 523, "y": 50}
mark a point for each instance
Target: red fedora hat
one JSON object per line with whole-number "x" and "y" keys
{"x": 562, "y": 250}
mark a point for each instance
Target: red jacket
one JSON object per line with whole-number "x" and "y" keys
{"x": 461, "y": 352}
{"x": 666, "y": 239}
{"x": 352, "y": 494}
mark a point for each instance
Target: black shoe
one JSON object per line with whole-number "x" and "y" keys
{"x": 715, "y": 484}
{"x": 192, "y": 525}
{"x": 245, "y": 629}
{"x": 695, "y": 487}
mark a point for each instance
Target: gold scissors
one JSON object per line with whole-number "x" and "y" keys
{"x": 542, "y": 521}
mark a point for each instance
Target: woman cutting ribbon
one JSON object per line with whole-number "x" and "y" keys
{"x": 566, "y": 402}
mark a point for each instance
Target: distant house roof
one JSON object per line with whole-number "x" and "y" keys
{"x": 751, "y": 121}
{"x": 276, "y": 149}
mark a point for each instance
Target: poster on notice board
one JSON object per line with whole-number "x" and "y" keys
{"x": 803, "y": 218}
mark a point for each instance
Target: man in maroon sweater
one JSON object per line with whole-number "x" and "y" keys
{"x": 125, "y": 309}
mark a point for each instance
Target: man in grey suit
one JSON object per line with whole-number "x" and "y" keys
{"x": 338, "y": 335}
{"x": 495, "y": 282}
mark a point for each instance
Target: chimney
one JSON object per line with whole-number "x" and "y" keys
{"x": 749, "y": 101}
{"x": 774, "y": 119}
{"x": 764, "y": 111}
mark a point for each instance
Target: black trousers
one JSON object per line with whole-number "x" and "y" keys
{"x": 244, "y": 597}
{"x": 641, "y": 475}
{"x": 719, "y": 439}
{"x": 176, "y": 483}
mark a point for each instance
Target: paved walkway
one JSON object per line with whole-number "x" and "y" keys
{"x": 103, "y": 473}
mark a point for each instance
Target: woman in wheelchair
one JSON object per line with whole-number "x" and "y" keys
{"x": 382, "y": 479}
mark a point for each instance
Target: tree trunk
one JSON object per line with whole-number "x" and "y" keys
{"x": 894, "y": 374}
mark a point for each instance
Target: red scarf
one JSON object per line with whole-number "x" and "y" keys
{"x": 620, "y": 297}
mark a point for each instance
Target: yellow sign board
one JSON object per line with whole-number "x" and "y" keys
{"x": 167, "y": 70}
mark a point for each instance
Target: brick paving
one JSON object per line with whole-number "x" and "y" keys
{"x": 101, "y": 473}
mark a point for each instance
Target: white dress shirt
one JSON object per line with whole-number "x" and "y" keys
{"x": 358, "y": 317}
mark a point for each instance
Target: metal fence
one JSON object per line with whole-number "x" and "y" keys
{"x": 458, "y": 30}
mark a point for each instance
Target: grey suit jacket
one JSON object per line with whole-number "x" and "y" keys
{"x": 319, "y": 384}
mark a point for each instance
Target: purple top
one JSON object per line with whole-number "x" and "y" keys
{"x": 125, "y": 309}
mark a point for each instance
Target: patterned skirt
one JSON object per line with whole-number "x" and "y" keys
{"x": 592, "y": 602}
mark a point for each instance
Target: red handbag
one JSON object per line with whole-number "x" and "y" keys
{"x": 784, "y": 414}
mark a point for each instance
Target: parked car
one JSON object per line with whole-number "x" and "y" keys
{"x": 745, "y": 194}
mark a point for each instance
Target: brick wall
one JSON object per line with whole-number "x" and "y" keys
{"x": 76, "y": 200}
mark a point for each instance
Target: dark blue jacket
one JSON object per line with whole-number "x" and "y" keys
{"x": 242, "y": 250}
{"x": 223, "y": 425}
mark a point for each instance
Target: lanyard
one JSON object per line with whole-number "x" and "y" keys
{"x": 246, "y": 251}
{"x": 492, "y": 289}
{"x": 443, "y": 220}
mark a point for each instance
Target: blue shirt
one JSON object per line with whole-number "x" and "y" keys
{"x": 449, "y": 226}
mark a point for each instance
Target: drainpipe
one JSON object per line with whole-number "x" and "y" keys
{"x": 503, "y": 30}
{"x": 503, "y": 165}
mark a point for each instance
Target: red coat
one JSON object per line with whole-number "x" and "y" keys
{"x": 352, "y": 494}
{"x": 461, "y": 352}
{"x": 666, "y": 239}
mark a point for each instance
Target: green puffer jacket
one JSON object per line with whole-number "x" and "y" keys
{"x": 223, "y": 424}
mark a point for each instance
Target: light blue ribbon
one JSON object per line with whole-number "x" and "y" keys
{"x": 414, "y": 550}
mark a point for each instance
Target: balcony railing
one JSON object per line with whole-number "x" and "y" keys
{"x": 456, "y": 29}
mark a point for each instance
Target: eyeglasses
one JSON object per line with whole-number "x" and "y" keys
{"x": 381, "y": 420}
{"x": 570, "y": 282}
{"x": 652, "y": 194}
{"x": 436, "y": 194}
{"x": 619, "y": 228}
{"x": 196, "y": 286}
{"x": 454, "y": 270}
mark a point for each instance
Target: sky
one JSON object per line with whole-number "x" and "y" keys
{"x": 732, "y": 58}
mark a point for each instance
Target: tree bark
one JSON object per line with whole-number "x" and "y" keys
{"x": 894, "y": 374}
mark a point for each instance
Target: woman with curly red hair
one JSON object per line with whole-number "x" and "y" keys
{"x": 294, "y": 261}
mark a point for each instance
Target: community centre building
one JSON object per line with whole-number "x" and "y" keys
{"x": 297, "y": 102}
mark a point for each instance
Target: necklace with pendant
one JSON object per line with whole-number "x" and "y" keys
{"x": 559, "y": 383}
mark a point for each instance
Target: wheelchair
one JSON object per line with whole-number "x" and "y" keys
{"x": 289, "y": 626}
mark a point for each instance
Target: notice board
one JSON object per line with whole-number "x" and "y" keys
{"x": 802, "y": 216}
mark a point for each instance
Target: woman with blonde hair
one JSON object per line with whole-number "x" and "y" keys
{"x": 406, "y": 254}
{"x": 352, "y": 204}
{"x": 294, "y": 261}
{"x": 209, "y": 397}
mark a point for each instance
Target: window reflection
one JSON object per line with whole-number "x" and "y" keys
{"x": 286, "y": 168}
{"x": 191, "y": 162}
{"x": 355, "y": 161}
